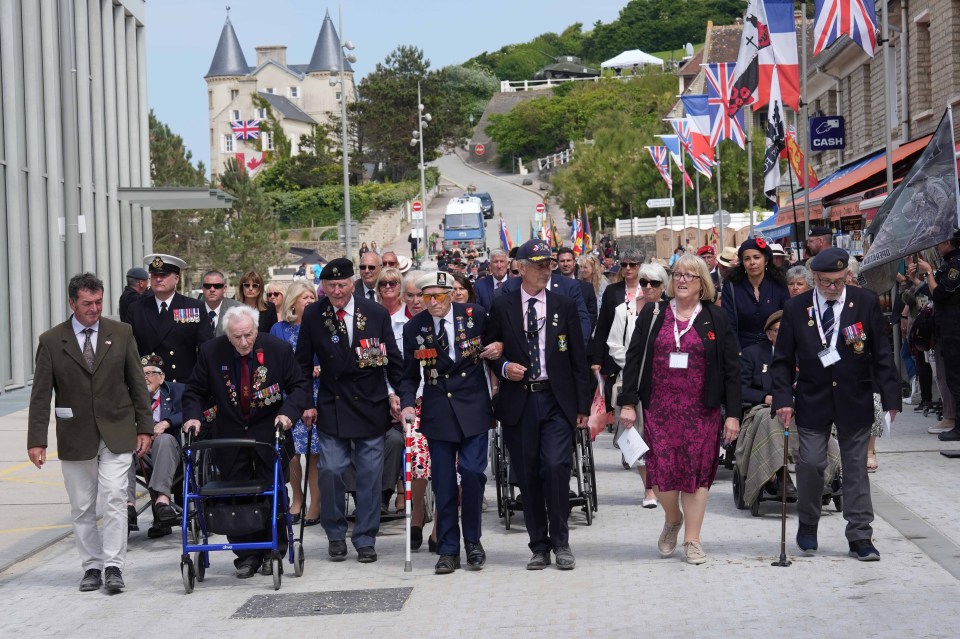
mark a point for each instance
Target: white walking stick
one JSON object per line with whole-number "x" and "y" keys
{"x": 407, "y": 473}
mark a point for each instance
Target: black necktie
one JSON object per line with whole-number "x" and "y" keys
{"x": 213, "y": 319}
{"x": 442, "y": 337}
{"x": 88, "y": 348}
{"x": 827, "y": 320}
{"x": 163, "y": 309}
{"x": 370, "y": 295}
{"x": 533, "y": 340}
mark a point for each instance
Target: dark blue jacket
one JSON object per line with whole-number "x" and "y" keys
{"x": 485, "y": 290}
{"x": 756, "y": 378}
{"x": 176, "y": 337}
{"x": 568, "y": 288}
{"x": 747, "y": 316}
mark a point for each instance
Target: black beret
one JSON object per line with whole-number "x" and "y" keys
{"x": 816, "y": 231}
{"x": 756, "y": 244}
{"x": 830, "y": 260}
{"x": 337, "y": 269}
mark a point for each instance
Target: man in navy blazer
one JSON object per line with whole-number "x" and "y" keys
{"x": 490, "y": 286}
{"x": 256, "y": 386}
{"x": 567, "y": 287}
{"x": 442, "y": 346}
{"x": 543, "y": 396}
{"x": 832, "y": 341}
{"x": 360, "y": 367}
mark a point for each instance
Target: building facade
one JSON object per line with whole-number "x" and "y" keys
{"x": 73, "y": 128}
{"x": 300, "y": 95}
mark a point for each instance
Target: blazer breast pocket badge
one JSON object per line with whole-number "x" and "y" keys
{"x": 562, "y": 343}
{"x": 854, "y": 337}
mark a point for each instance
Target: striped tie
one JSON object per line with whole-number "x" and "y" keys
{"x": 828, "y": 320}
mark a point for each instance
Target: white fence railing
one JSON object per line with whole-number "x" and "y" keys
{"x": 555, "y": 160}
{"x": 512, "y": 86}
{"x": 650, "y": 225}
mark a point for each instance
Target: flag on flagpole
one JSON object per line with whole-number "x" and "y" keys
{"x": 775, "y": 141}
{"x": 576, "y": 235}
{"x": 555, "y": 240}
{"x": 250, "y": 161}
{"x": 722, "y": 127}
{"x": 587, "y": 233}
{"x": 698, "y": 115}
{"x": 672, "y": 142}
{"x": 768, "y": 41}
{"x": 682, "y": 128}
{"x": 519, "y": 236}
{"x": 795, "y": 156}
{"x": 659, "y": 156}
{"x": 505, "y": 242}
{"x": 534, "y": 231}
{"x": 856, "y": 19}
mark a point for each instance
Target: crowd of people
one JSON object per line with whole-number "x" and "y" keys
{"x": 347, "y": 356}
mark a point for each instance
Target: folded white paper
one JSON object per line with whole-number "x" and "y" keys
{"x": 64, "y": 413}
{"x": 632, "y": 446}
{"x": 886, "y": 424}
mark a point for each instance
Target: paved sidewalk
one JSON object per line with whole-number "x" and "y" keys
{"x": 620, "y": 586}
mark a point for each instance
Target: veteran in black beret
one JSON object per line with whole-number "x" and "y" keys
{"x": 442, "y": 349}
{"x": 167, "y": 324}
{"x": 360, "y": 367}
{"x": 543, "y": 396}
{"x": 137, "y": 280}
{"x": 832, "y": 342}
{"x": 819, "y": 239}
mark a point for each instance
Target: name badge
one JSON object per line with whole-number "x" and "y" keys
{"x": 829, "y": 356}
{"x": 678, "y": 360}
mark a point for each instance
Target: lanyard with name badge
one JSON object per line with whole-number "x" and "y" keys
{"x": 829, "y": 355}
{"x": 678, "y": 359}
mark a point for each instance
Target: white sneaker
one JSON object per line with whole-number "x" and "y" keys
{"x": 942, "y": 426}
{"x": 650, "y": 503}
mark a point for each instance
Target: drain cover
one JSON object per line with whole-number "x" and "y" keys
{"x": 337, "y": 602}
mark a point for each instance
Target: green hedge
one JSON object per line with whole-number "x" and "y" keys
{"x": 323, "y": 206}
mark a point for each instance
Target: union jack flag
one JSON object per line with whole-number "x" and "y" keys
{"x": 854, "y": 18}
{"x": 719, "y": 83}
{"x": 245, "y": 129}
{"x": 661, "y": 159}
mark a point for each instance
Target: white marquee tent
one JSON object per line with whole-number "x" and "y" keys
{"x": 627, "y": 59}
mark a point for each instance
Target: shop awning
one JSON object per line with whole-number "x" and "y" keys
{"x": 770, "y": 230}
{"x": 861, "y": 175}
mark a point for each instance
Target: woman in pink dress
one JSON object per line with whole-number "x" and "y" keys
{"x": 682, "y": 366}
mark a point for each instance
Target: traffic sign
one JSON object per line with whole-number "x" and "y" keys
{"x": 541, "y": 207}
{"x": 660, "y": 203}
{"x": 721, "y": 218}
{"x": 417, "y": 206}
{"x": 827, "y": 133}
{"x": 479, "y": 150}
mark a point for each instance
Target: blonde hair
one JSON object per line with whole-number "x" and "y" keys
{"x": 696, "y": 264}
{"x": 597, "y": 270}
{"x": 293, "y": 292}
{"x": 388, "y": 273}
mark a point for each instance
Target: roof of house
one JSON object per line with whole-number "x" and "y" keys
{"x": 326, "y": 53}
{"x": 286, "y": 108}
{"x": 228, "y": 60}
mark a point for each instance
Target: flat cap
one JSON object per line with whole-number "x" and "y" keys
{"x": 534, "y": 251}
{"x": 138, "y": 273}
{"x": 337, "y": 269}
{"x": 830, "y": 260}
{"x": 436, "y": 279}
{"x": 160, "y": 263}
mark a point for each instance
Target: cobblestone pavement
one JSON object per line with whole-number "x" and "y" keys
{"x": 620, "y": 584}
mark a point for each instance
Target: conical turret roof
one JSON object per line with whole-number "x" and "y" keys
{"x": 229, "y": 59}
{"x": 326, "y": 53}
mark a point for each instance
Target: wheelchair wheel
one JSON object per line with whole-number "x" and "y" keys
{"x": 200, "y": 564}
{"x": 298, "y": 559}
{"x": 430, "y": 503}
{"x": 755, "y": 507}
{"x": 592, "y": 473}
{"x": 187, "y": 574}
{"x": 276, "y": 563}
{"x": 738, "y": 487}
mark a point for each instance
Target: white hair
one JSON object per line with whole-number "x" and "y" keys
{"x": 241, "y": 310}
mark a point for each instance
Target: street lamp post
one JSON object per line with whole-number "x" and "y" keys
{"x": 422, "y": 120}
{"x": 343, "y": 132}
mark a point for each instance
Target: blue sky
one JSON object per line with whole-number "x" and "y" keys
{"x": 182, "y": 36}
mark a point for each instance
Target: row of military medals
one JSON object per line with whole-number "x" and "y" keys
{"x": 268, "y": 395}
{"x": 469, "y": 348}
{"x": 427, "y": 356}
{"x": 371, "y": 353}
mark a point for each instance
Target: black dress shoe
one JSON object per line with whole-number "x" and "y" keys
{"x": 248, "y": 567}
{"x": 168, "y": 514}
{"x": 416, "y": 537}
{"x": 807, "y": 537}
{"x": 267, "y": 567}
{"x": 565, "y": 558}
{"x": 132, "y": 518}
{"x": 922, "y": 406}
{"x": 337, "y": 550}
{"x": 432, "y": 545}
{"x": 366, "y": 555}
{"x": 157, "y": 531}
{"x": 476, "y": 555}
{"x": 295, "y": 519}
{"x": 112, "y": 579}
{"x": 446, "y": 564}
{"x": 311, "y": 522}
{"x": 91, "y": 581}
{"x": 952, "y": 435}
{"x": 539, "y": 561}
{"x": 864, "y": 550}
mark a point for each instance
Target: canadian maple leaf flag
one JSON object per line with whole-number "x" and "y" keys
{"x": 251, "y": 161}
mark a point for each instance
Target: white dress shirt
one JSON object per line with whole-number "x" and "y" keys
{"x": 541, "y": 306}
{"x": 78, "y": 329}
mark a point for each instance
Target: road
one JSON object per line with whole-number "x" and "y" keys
{"x": 515, "y": 202}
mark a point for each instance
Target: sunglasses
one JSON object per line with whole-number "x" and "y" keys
{"x": 209, "y": 286}
{"x": 274, "y": 294}
{"x": 391, "y": 263}
{"x": 514, "y": 271}
{"x": 629, "y": 264}
{"x": 367, "y": 267}
{"x": 390, "y": 284}
{"x": 250, "y": 285}
{"x": 440, "y": 297}
{"x": 645, "y": 282}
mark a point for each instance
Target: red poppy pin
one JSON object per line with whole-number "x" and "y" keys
{"x": 761, "y": 243}
{"x": 260, "y": 356}
{"x": 711, "y": 336}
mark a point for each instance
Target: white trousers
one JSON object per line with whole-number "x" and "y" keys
{"x": 104, "y": 476}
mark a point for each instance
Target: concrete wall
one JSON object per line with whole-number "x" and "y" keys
{"x": 73, "y": 128}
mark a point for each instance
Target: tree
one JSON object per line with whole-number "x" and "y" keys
{"x": 271, "y": 126}
{"x": 521, "y": 61}
{"x": 248, "y": 237}
{"x": 317, "y": 163}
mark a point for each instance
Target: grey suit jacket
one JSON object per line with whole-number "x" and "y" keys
{"x": 111, "y": 403}
{"x": 225, "y": 305}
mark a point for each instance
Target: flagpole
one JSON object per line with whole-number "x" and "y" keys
{"x": 683, "y": 183}
{"x": 793, "y": 201}
{"x": 888, "y": 134}
{"x": 697, "y": 176}
{"x": 719, "y": 200}
{"x": 748, "y": 115}
{"x": 806, "y": 124}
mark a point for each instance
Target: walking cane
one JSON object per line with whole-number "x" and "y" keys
{"x": 783, "y": 562}
{"x": 306, "y": 477}
{"x": 407, "y": 474}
